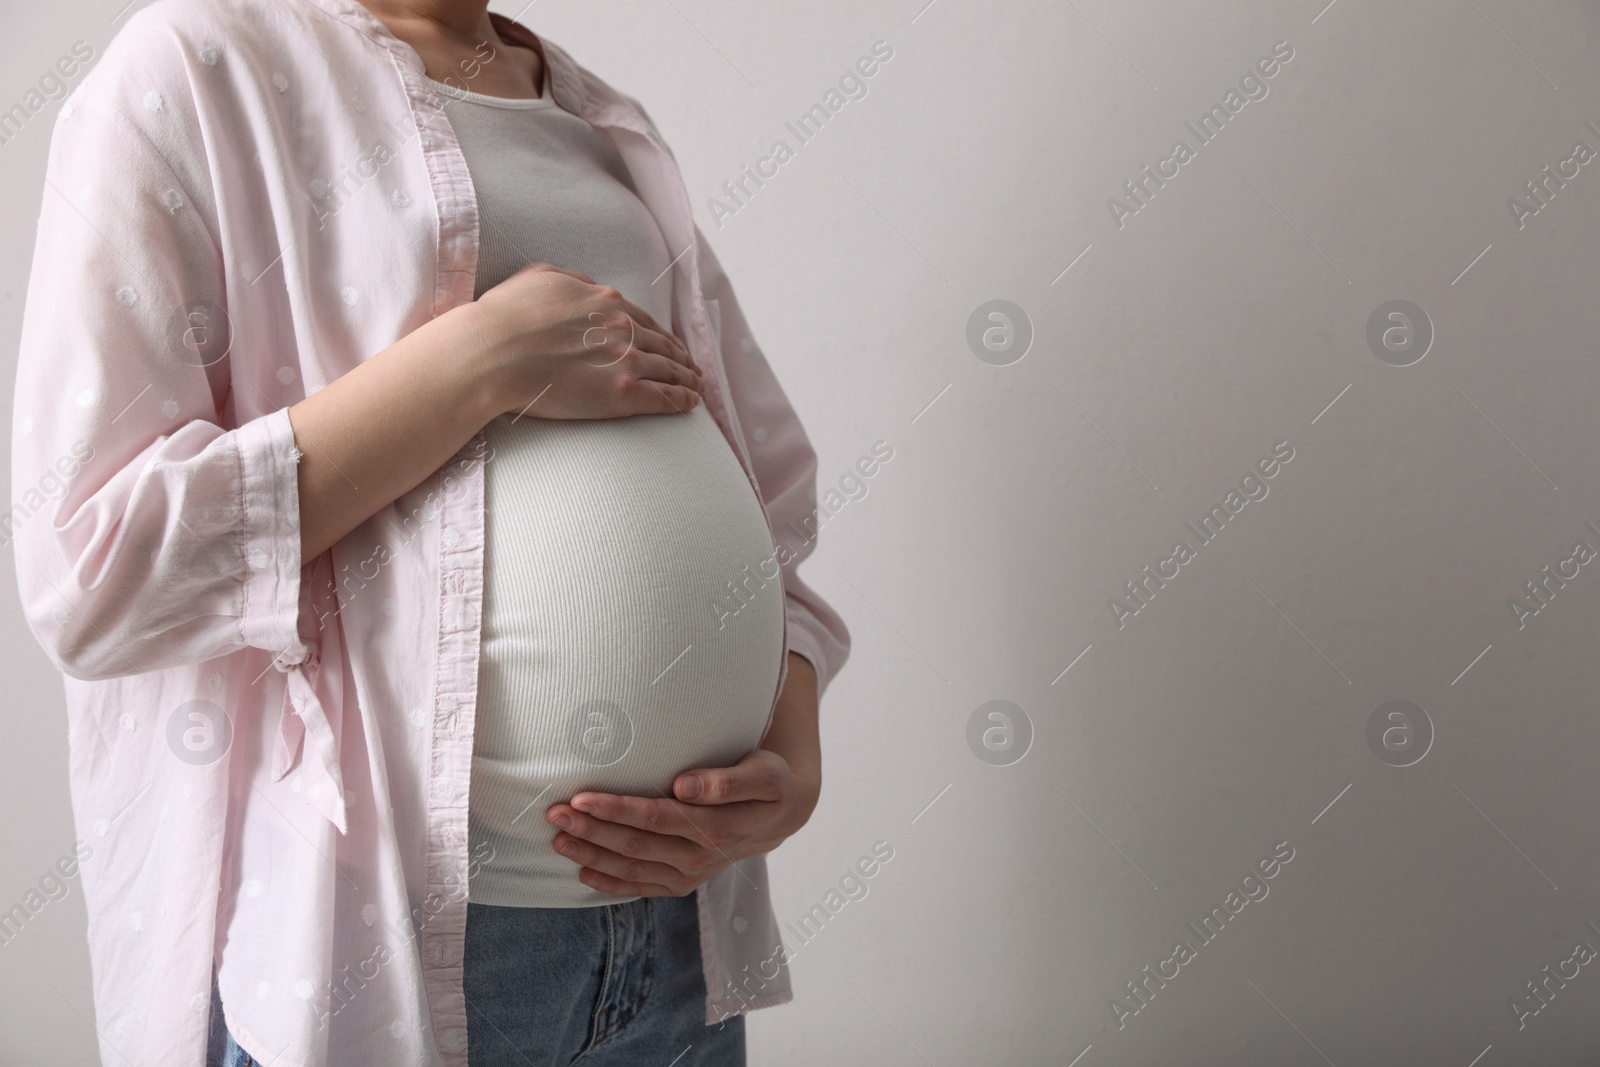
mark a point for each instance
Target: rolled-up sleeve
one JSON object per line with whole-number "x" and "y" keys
{"x": 785, "y": 466}
{"x": 149, "y": 527}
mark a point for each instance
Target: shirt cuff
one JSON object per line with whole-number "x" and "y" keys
{"x": 269, "y": 479}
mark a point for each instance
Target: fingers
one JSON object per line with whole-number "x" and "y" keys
{"x": 644, "y": 331}
{"x": 657, "y": 398}
{"x": 606, "y": 883}
{"x": 664, "y": 344}
{"x": 761, "y": 775}
{"x": 648, "y": 333}
{"x": 655, "y": 385}
{"x": 663, "y": 817}
{"x": 674, "y": 348}
{"x": 654, "y": 367}
{"x": 551, "y": 268}
{"x": 644, "y": 318}
{"x": 623, "y": 859}
{"x": 588, "y": 837}
{"x": 624, "y": 874}
{"x": 614, "y": 333}
{"x": 634, "y": 336}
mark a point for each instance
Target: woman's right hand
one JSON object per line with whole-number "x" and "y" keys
{"x": 557, "y": 345}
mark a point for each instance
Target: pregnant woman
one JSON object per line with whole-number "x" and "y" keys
{"x": 415, "y": 520}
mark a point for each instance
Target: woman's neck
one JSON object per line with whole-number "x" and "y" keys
{"x": 464, "y": 21}
{"x": 458, "y": 45}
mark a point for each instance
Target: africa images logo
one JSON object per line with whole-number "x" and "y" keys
{"x": 1252, "y": 488}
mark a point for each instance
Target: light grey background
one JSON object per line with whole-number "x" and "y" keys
{"x": 1231, "y": 712}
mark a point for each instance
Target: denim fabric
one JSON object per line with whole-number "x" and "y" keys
{"x": 612, "y": 986}
{"x": 617, "y": 985}
{"x": 234, "y": 1056}
{"x": 221, "y": 1049}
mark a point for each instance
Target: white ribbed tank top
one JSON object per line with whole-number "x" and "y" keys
{"x": 610, "y": 658}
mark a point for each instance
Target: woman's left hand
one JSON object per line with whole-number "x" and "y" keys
{"x": 652, "y": 847}
{"x": 666, "y": 847}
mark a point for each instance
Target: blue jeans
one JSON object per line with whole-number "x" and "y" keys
{"x": 617, "y": 985}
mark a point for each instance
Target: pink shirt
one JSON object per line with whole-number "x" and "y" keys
{"x": 245, "y": 199}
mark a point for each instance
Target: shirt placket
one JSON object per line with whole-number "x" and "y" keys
{"x": 441, "y": 915}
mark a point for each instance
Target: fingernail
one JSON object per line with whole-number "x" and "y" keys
{"x": 566, "y": 848}
{"x": 564, "y": 821}
{"x": 583, "y": 806}
{"x": 691, "y": 786}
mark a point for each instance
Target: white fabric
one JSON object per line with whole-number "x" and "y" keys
{"x": 614, "y": 654}
{"x": 244, "y": 200}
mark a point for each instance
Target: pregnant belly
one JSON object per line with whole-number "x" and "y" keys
{"x": 631, "y": 630}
